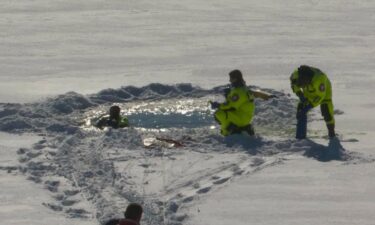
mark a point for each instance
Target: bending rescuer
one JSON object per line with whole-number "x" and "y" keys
{"x": 313, "y": 88}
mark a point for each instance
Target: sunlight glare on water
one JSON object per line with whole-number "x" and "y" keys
{"x": 160, "y": 114}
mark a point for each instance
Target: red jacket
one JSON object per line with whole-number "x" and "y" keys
{"x": 128, "y": 222}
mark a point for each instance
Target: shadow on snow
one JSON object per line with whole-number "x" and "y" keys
{"x": 322, "y": 153}
{"x": 257, "y": 145}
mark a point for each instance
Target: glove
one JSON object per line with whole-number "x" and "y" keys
{"x": 214, "y": 105}
{"x": 301, "y": 97}
{"x": 302, "y": 110}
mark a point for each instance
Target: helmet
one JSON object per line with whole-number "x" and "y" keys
{"x": 114, "y": 111}
{"x": 305, "y": 75}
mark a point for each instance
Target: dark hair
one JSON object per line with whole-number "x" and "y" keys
{"x": 305, "y": 74}
{"x": 235, "y": 74}
{"x": 133, "y": 211}
{"x": 239, "y": 79}
{"x": 114, "y": 111}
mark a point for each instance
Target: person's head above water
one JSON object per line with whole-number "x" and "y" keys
{"x": 114, "y": 112}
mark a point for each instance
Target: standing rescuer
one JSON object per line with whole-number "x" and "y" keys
{"x": 313, "y": 88}
{"x": 236, "y": 113}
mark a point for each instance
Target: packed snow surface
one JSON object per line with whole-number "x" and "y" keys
{"x": 77, "y": 162}
{"x": 77, "y": 174}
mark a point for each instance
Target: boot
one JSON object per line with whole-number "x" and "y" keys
{"x": 331, "y": 130}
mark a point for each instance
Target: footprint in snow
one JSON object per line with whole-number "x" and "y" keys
{"x": 257, "y": 162}
{"x": 71, "y": 192}
{"x": 204, "y": 190}
{"x": 56, "y": 208}
{"x": 52, "y": 185}
{"x": 22, "y": 151}
{"x": 33, "y": 154}
{"x": 188, "y": 199}
{"x": 77, "y": 213}
{"x": 221, "y": 181}
{"x": 69, "y": 202}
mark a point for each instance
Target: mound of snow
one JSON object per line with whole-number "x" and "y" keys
{"x": 66, "y": 103}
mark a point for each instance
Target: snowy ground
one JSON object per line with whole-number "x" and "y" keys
{"x": 55, "y": 168}
{"x": 22, "y": 201}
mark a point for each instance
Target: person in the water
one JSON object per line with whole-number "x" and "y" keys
{"x": 114, "y": 119}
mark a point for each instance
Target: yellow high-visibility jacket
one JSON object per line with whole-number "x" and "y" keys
{"x": 240, "y": 101}
{"x": 317, "y": 91}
